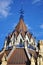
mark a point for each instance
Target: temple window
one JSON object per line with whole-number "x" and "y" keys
{"x": 8, "y": 41}
{"x": 20, "y": 41}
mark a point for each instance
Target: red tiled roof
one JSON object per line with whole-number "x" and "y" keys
{"x": 21, "y": 26}
{"x": 16, "y": 64}
{"x": 18, "y": 57}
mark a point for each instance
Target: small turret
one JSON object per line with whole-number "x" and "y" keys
{"x": 41, "y": 47}
{"x": 39, "y": 60}
{"x": 4, "y": 60}
{"x": 32, "y": 60}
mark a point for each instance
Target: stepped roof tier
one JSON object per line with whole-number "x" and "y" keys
{"x": 21, "y": 28}
{"x": 18, "y": 56}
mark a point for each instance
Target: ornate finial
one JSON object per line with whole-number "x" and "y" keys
{"x": 21, "y": 11}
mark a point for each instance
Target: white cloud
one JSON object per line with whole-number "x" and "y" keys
{"x": 28, "y": 26}
{"x": 38, "y": 34}
{"x": 5, "y": 7}
{"x": 41, "y": 26}
{"x": 35, "y": 1}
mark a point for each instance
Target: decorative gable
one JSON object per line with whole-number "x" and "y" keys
{"x": 19, "y": 38}
{"x": 26, "y": 38}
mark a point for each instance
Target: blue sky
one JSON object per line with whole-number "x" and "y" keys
{"x": 9, "y": 17}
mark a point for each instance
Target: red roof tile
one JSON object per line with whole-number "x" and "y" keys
{"x": 21, "y": 26}
{"x": 18, "y": 57}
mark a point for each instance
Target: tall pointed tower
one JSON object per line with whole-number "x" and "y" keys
{"x": 19, "y": 46}
{"x": 21, "y": 27}
{"x": 20, "y": 33}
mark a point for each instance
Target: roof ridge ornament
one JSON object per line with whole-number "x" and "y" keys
{"x": 21, "y": 13}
